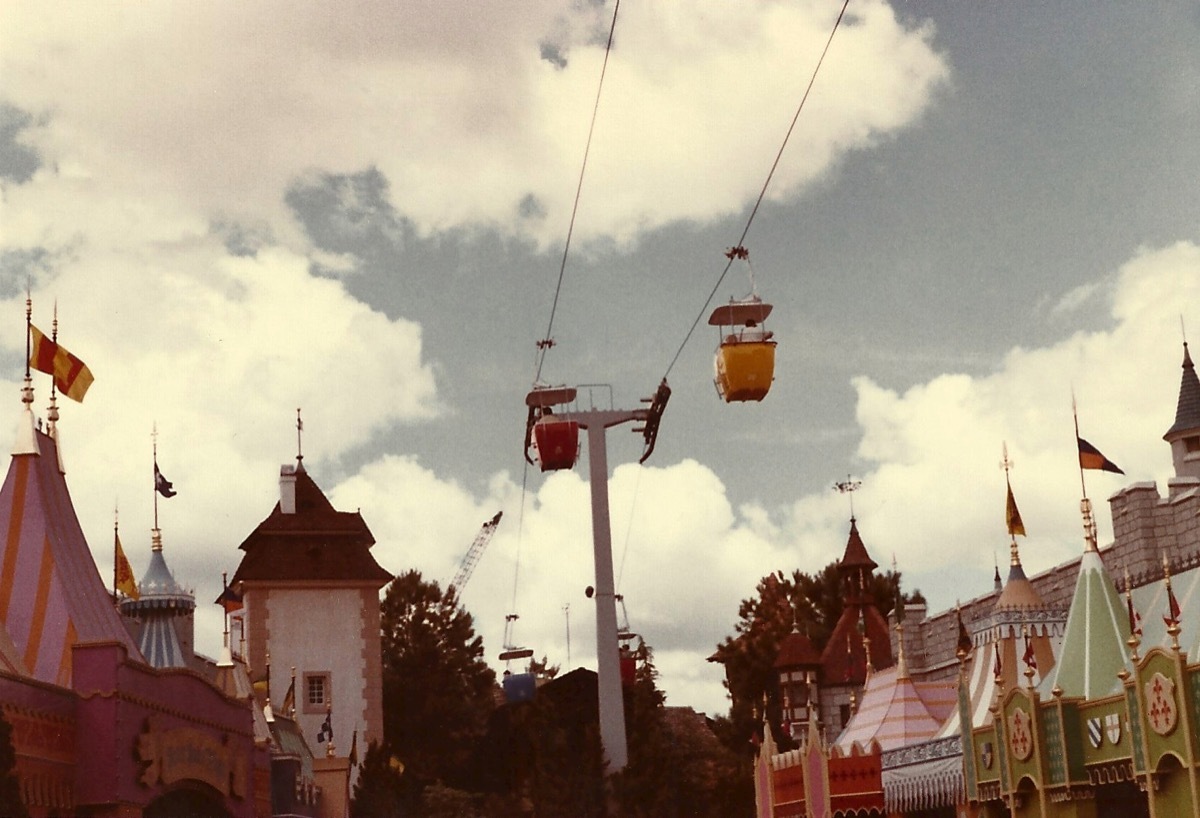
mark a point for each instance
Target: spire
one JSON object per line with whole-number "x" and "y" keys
{"x": 1095, "y": 647}
{"x": 1184, "y": 434}
{"x": 1187, "y": 410}
{"x": 299, "y": 441}
{"x": 26, "y": 442}
{"x": 1012, "y": 517}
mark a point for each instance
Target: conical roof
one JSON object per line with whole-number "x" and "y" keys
{"x": 51, "y": 593}
{"x": 856, "y": 555}
{"x": 1187, "y": 411}
{"x": 1094, "y": 649}
{"x": 1019, "y": 591}
{"x": 896, "y": 711}
{"x": 797, "y": 650}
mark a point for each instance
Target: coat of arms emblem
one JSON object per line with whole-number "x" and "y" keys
{"x": 1095, "y": 732}
{"x": 987, "y": 755}
{"x": 1161, "y": 709}
{"x": 1112, "y": 728}
{"x": 1020, "y": 735}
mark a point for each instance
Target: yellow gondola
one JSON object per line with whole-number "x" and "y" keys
{"x": 745, "y": 361}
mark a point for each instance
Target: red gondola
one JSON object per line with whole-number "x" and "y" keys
{"x": 553, "y": 440}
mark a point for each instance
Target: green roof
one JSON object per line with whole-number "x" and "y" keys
{"x": 1094, "y": 649}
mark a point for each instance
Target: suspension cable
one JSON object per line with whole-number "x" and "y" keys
{"x": 546, "y": 342}
{"x": 762, "y": 194}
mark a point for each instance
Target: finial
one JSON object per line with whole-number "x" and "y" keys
{"x": 299, "y": 430}
{"x": 1012, "y": 517}
{"x": 1173, "y": 610}
{"x": 1089, "y": 525}
{"x": 1135, "y": 626}
{"x": 848, "y": 487}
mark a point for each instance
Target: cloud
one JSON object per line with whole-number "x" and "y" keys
{"x": 221, "y": 106}
{"x": 933, "y": 496}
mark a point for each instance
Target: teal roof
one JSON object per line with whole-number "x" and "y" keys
{"x": 1094, "y": 649}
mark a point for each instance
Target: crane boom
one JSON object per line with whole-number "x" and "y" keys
{"x": 471, "y": 558}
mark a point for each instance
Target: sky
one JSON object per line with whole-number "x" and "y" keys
{"x": 239, "y": 210}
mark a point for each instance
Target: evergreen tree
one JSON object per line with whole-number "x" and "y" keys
{"x": 437, "y": 688}
{"x": 380, "y": 791}
{"x": 10, "y": 789}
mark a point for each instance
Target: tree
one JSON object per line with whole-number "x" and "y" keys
{"x": 10, "y": 792}
{"x": 437, "y": 689}
{"x": 813, "y": 603}
{"x": 380, "y": 791}
{"x": 677, "y": 766}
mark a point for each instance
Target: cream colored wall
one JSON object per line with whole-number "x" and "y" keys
{"x": 321, "y": 630}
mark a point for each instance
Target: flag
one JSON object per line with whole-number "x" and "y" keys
{"x": 1172, "y": 617}
{"x": 326, "y": 732}
{"x": 1135, "y": 619}
{"x": 1029, "y": 659}
{"x": 289, "y": 699}
{"x": 1090, "y": 458}
{"x": 124, "y": 573}
{"x": 161, "y": 484}
{"x": 230, "y": 600}
{"x": 71, "y": 375}
{"x": 354, "y": 748}
{"x": 1012, "y": 516}
{"x": 964, "y": 636}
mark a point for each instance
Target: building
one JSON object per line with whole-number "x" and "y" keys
{"x": 114, "y": 714}
{"x": 310, "y": 590}
{"x": 1069, "y": 702}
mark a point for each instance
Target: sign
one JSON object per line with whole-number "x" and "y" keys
{"x": 184, "y": 753}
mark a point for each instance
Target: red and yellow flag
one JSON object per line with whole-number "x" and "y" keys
{"x": 125, "y": 582}
{"x": 71, "y": 375}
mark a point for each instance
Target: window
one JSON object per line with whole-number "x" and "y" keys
{"x": 1191, "y": 444}
{"x": 317, "y": 689}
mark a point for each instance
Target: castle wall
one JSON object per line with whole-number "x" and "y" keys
{"x": 1146, "y": 525}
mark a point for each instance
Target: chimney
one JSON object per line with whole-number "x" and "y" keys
{"x": 287, "y": 489}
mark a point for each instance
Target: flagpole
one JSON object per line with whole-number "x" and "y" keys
{"x": 1085, "y": 505}
{"x": 116, "y": 534}
{"x": 1075, "y": 417}
{"x": 28, "y": 330}
{"x": 154, "y": 444}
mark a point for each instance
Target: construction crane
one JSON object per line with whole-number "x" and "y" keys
{"x": 471, "y": 558}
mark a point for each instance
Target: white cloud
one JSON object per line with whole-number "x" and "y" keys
{"x": 221, "y": 105}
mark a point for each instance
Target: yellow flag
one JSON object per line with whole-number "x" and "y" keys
{"x": 124, "y": 574}
{"x": 1013, "y": 517}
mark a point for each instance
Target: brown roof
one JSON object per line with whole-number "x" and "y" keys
{"x": 317, "y": 542}
{"x": 796, "y": 650}
{"x": 856, "y": 555}
{"x": 844, "y": 659}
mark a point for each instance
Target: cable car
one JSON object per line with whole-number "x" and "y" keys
{"x": 627, "y": 654}
{"x": 745, "y": 361}
{"x": 518, "y": 687}
{"x": 553, "y": 440}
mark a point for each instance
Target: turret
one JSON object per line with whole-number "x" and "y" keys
{"x": 1184, "y": 434}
